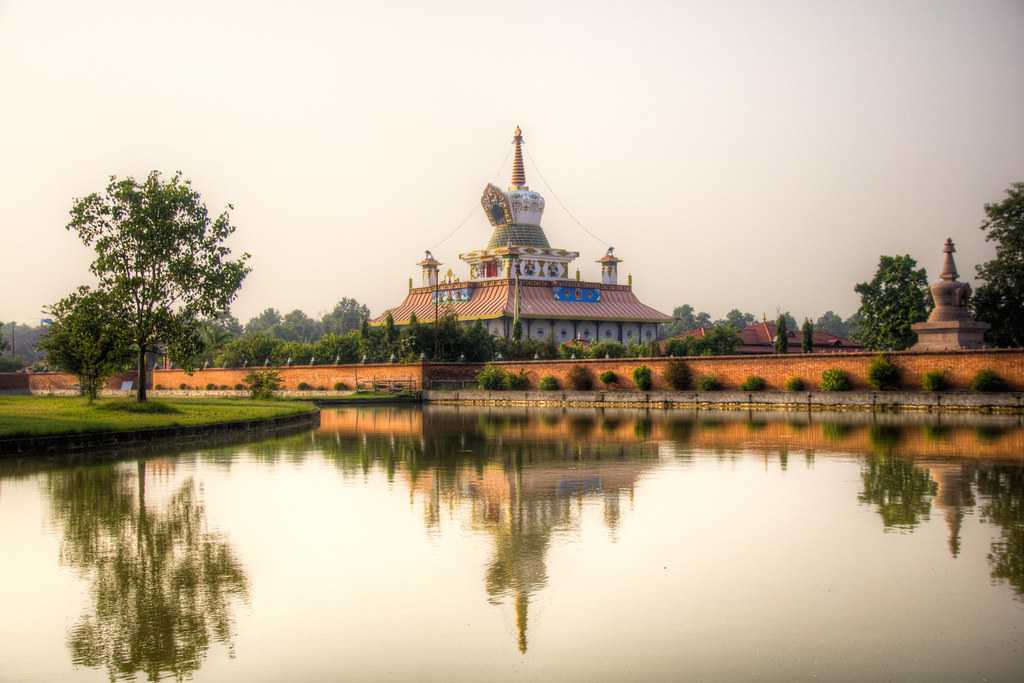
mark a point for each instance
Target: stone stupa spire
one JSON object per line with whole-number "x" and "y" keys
{"x": 949, "y": 265}
{"x": 950, "y": 325}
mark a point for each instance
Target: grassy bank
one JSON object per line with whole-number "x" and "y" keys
{"x": 51, "y": 415}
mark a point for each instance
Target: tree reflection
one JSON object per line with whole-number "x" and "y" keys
{"x": 162, "y": 586}
{"x": 901, "y": 492}
{"x": 1002, "y": 487}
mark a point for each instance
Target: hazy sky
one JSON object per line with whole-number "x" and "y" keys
{"x": 753, "y": 155}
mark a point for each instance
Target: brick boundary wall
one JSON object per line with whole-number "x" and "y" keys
{"x": 959, "y": 367}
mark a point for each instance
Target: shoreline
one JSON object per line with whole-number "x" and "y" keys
{"x": 80, "y": 442}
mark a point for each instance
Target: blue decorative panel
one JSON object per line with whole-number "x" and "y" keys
{"x": 586, "y": 294}
{"x": 450, "y": 296}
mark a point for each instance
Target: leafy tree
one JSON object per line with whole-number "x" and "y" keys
{"x": 718, "y": 340}
{"x": 248, "y": 351}
{"x": 999, "y": 300}
{"x": 299, "y": 327}
{"x": 343, "y": 347}
{"x": 161, "y": 259}
{"x": 266, "y": 322}
{"x": 390, "y": 333}
{"x": 263, "y": 383}
{"x": 685, "y": 320}
{"x": 833, "y": 324}
{"x": 807, "y": 338}
{"x": 85, "y": 339}
{"x": 22, "y": 342}
{"x": 896, "y": 298}
{"x": 348, "y": 315}
{"x": 781, "y": 335}
{"x": 225, "y": 322}
{"x": 738, "y": 319}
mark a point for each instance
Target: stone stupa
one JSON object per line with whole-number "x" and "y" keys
{"x": 950, "y": 325}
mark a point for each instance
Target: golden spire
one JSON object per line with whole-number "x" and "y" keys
{"x": 518, "y": 170}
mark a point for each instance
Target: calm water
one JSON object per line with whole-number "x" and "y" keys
{"x": 482, "y": 544}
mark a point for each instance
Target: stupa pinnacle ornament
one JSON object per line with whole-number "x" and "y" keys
{"x": 519, "y": 281}
{"x": 950, "y": 325}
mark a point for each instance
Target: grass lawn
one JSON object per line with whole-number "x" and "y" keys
{"x": 48, "y": 415}
{"x": 373, "y": 396}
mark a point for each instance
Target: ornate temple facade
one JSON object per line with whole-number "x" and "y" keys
{"x": 518, "y": 275}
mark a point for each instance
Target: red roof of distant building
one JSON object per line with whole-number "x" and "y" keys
{"x": 760, "y": 338}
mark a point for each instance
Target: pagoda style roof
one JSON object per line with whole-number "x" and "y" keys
{"x": 559, "y": 300}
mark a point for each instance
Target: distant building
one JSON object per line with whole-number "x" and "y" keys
{"x": 760, "y": 338}
{"x": 518, "y": 275}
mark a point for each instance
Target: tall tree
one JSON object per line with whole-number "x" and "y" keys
{"x": 999, "y": 300}
{"x": 161, "y": 259}
{"x": 348, "y": 315}
{"x": 266, "y": 322}
{"x": 85, "y": 339}
{"x": 781, "y": 334}
{"x": 833, "y": 324}
{"x": 807, "y": 338}
{"x": 738, "y": 319}
{"x": 896, "y": 298}
{"x": 299, "y": 327}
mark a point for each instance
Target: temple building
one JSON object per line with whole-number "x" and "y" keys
{"x": 519, "y": 276}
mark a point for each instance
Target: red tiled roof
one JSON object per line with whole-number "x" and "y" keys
{"x": 496, "y": 298}
{"x": 760, "y": 337}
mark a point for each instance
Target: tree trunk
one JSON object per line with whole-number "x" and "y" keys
{"x": 141, "y": 380}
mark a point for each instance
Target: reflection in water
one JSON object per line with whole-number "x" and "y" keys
{"x": 901, "y": 491}
{"x": 517, "y": 489}
{"x": 164, "y": 588}
{"x": 161, "y": 584}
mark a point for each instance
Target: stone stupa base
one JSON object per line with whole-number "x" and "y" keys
{"x": 949, "y": 335}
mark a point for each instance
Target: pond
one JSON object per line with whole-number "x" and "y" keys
{"x": 455, "y": 543}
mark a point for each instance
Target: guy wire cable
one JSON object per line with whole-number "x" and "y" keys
{"x": 473, "y": 209}
{"x": 559, "y": 200}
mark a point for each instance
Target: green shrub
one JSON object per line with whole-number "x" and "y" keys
{"x": 709, "y": 383}
{"x": 239, "y": 387}
{"x": 491, "y": 378}
{"x": 934, "y": 380}
{"x": 608, "y": 377}
{"x": 753, "y": 383}
{"x": 883, "y": 373}
{"x": 642, "y": 378}
{"x": 340, "y": 386}
{"x": 795, "y": 384}
{"x": 159, "y": 387}
{"x": 516, "y": 380}
{"x": 303, "y": 386}
{"x": 183, "y": 386}
{"x": 211, "y": 386}
{"x": 835, "y": 379}
{"x": 580, "y": 379}
{"x": 263, "y": 383}
{"x": 987, "y": 380}
{"x": 548, "y": 383}
{"x": 677, "y": 374}
{"x": 223, "y": 387}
